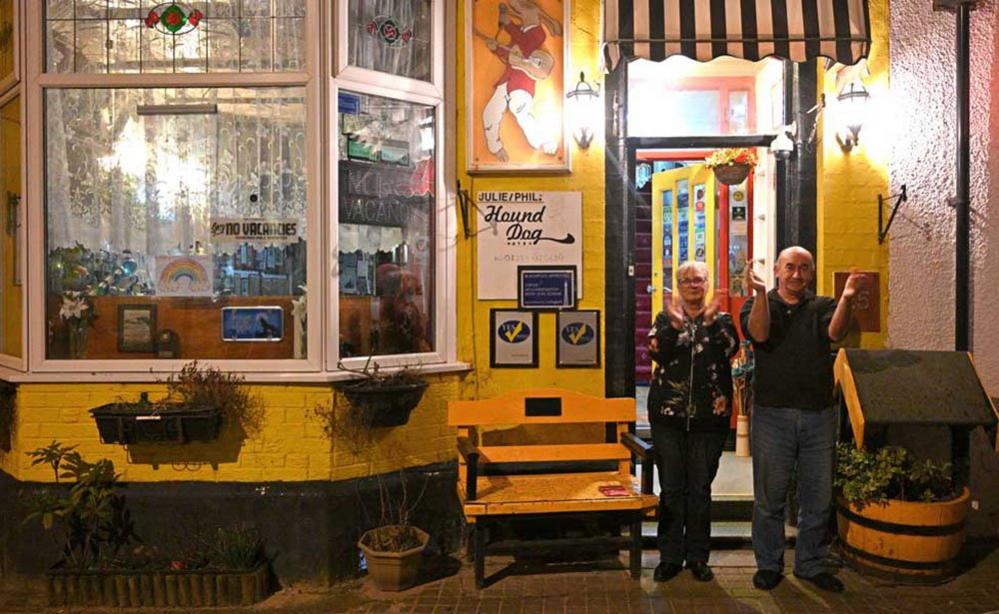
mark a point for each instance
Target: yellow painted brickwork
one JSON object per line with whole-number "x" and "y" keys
{"x": 849, "y": 183}
{"x": 587, "y": 177}
{"x": 289, "y": 447}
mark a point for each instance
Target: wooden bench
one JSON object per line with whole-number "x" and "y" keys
{"x": 489, "y": 497}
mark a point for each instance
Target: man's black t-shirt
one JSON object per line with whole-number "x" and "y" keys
{"x": 794, "y": 366}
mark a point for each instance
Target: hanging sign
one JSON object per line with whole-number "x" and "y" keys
{"x": 526, "y": 228}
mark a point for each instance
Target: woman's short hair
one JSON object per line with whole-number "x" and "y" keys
{"x": 693, "y": 265}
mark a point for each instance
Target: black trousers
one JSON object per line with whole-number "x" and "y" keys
{"x": 687, "y": 464}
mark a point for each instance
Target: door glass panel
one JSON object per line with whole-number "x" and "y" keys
{"x": 391, "y": 36}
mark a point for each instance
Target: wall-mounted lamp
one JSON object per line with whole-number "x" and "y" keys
{"x": 852, "y": 110}
{"x": 584, "y": 110}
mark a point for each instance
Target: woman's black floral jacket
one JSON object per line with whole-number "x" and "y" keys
{"x": 696, "y": 358}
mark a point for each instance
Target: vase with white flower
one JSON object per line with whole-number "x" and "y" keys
{"x": 77, "y": 313}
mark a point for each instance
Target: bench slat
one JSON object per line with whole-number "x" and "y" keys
{"x": 511, "y": 409}
{"x": 553, "y": 453}
{"x": 553, "y": 493}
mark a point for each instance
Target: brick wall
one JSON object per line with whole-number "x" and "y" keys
{"x": 290, "y": 446}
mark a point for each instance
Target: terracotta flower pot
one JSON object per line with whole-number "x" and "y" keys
{"x": 732, "y": 174}
{"x": 394, "y": 571}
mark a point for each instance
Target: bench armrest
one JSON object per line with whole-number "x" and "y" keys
{"x": 645, "y": 452}
{"x": 470, "y": 453}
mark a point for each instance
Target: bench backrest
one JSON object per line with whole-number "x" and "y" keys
{"x": 546, "y": 406}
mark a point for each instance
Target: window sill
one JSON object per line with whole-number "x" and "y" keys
{"x": 83, "y": 377}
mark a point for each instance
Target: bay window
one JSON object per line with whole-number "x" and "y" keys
{"x": 203, "y": 194}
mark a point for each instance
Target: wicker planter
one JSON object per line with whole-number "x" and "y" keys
{"x": 394, "y": 571}
{"x": 183, "y": 589}
{"x": 908, "y": 540}
{"x": 384, "y": 404}
{"x": 732, "y": 174}
{"x": 128, "y": 423}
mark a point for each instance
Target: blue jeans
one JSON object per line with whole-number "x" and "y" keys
{"x": 782, "y": 438}
{"x": 687, "y": 464}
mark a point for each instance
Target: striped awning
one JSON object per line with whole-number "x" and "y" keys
{"x": 797, "y": 30}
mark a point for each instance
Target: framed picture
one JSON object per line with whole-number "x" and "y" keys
{"x": 515, "y": 82}
{"x": 137, "y": 328}
{"x": 513, "y": 340}
{"x": 546, "y": 288}
{"x": 252, "y": 324}
{"x": 577, "y": 339}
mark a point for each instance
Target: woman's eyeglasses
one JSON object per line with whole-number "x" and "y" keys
{"x": 692, "y": 281}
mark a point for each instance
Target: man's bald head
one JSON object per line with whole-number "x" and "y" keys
{"x": 794, "y": 270}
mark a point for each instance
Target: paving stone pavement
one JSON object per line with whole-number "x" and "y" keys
{"x": 604, "y": 586}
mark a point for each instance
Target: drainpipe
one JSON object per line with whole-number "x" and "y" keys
{"x": 962, "y": 277}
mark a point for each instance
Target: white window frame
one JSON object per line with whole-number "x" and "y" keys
{"x": 38, "y": 81}
{"x": 321, "y": 83}
{"x": 436, "y": 95}
{"x": 10, "y": 88}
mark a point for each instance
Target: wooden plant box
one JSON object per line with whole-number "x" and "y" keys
{"x": 132, "y": 589}
{"x": 127, "y": 423}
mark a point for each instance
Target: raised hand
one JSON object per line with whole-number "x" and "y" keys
{"x": 753, "y": 280}
{"x": 854, "y": 283}
{"x": 711, "y": 311}
{"x": 674, "y": 312}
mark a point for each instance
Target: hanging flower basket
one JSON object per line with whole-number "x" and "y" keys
{"x": 384, "y": 403}
{"x": 732, "y": 174}
{"x": 731, "y": 165}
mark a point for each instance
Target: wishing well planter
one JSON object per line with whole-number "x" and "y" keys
{"x": 146, "y": 422}
{"x": 174, "y": 588}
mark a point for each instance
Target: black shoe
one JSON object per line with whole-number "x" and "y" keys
{"x": 766, "y": 579}
{"x": 825, "y": 581}
{"x": 701, "y": 571}
{"x": 666, "y": 571}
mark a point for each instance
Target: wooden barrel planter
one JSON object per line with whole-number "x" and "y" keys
{"x": 908, "y": 540}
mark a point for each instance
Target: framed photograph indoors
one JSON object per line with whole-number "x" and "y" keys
{"x": 515, "y": 84}
{"x": 513, "y": 340}
{"x": 137, "y": 328}
{"x": 577, "y": 341}
{"x": 546, "y": 288}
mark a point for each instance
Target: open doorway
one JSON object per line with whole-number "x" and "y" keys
{"x": 679, "y": 112}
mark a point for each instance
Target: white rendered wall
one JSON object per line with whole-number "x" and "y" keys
{"x": 921, "y": 283}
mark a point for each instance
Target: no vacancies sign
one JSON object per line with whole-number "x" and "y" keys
{"x": 526, "y": 228}
{"x": 253, "y": 230}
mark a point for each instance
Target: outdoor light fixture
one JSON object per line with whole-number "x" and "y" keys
{"x": 783, "y": 144}
{"x": 852, "y": 105}
{"x": 584, "y": 110}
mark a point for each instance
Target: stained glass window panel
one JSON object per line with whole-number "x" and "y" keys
{"x": 392, "y": 36}
{"x": 144, "y": 36}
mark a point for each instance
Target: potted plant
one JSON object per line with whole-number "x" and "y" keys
{"x": 200, "y": 400}
{"x": 731, "y": 165}
{"x": 101, "y": 565}
{"x": 897, "y": 514}
{"x": 382, "y": 399}
{"x": 393, "y": 549}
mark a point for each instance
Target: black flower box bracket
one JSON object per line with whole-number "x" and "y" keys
{"x": 127, "y": 423}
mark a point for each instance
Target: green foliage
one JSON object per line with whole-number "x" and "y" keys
{"x": 238, "y": 548}
{"x": 211, "y": 387}
{"x": 92, "y": 516}
{"x": 864, "y": 477}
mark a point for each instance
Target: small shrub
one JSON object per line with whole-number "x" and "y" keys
{"x": 865, "y": 477}
{"x": 210, "y": 387}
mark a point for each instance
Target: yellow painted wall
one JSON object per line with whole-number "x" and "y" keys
{"x": 849, "y": 183}
{"x": 10, "y": 183}
{"x": 290, "y": 446}
{"x": 587, "y": 177}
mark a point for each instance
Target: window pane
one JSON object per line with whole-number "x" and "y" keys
{"x": 175, "y": 210}
{"x": 6, "y": 39}
{"x": 391, "y": 36}
{"x": 386, "y": 225}
{"x": 138, "y": 36}
{"x": 10, "y": 246}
